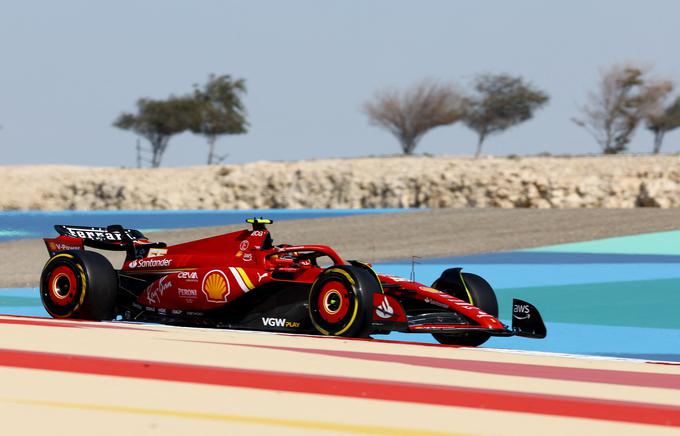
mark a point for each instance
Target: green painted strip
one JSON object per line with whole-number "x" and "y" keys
{"x": 6, "y": 233}
{"x": 646, "y": 303}
{"x": 648, "y": 243}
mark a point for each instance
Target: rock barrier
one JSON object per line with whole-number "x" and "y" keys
{"x": 383, "y": 182}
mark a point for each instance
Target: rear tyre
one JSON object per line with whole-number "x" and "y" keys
{"x": 79, "y": 284}
{"x": 341, "y": 301}
{"x": 473, "y": 289}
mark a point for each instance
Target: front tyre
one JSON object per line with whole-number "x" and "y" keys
{"x": 79, "y": 284}
{"x": 473, "y": 289}
{"x": 341, "y": 301}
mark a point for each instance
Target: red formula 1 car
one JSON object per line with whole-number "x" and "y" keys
{"x": 241, "y": 280}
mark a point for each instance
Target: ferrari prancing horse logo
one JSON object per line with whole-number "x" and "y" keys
{"x": 215, "y": 286}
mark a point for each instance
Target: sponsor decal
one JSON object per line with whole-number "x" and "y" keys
{"x": 187, "y": 293}
{"x": 261, "y": 276}
{"x": 62, "y": 247}
{"x": 187, "y": 275}
{"x": 384, "y": 310}
{"x": 430, "y": 290}
{"x": 215, "y": 286}
{"x": 466, "y": 305}
{"x": 521, "y": 311}
{"x": 149, "y": 263}
{"x": 280, "y": 322}
{"x": 434, "y": 302}
{"x": 244, "y": 245}
{"x": 241, "y": 278}
{"x": 247, "y": 257}
{"x": 94, "y": 233}
{"x": 156, "y": 290}
{"x": 176, "y": 312}
{"x": 155, "y": 252}
{"x": 257, "y": 233}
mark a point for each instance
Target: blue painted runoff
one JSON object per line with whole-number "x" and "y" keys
{"x": 37, "y": 224}
{"x": 632, "y": 342}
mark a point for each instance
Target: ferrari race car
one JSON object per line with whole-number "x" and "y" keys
{"x": 241, "y": 280}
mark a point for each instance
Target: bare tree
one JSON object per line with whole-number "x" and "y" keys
{"x": 662, "y": 120}
{"x": 624, "y": 97}
{"x": 410, "y": 114}
{"x": 500, "y": 102}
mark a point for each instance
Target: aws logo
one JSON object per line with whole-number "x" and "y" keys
{"x": 215, "y": 286}
{"x": 521, "y": 311}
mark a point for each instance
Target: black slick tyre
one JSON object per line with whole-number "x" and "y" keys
{"x": 79, "y": 284}
{"x": 473, "y": 289}
{"x": 341, "y": 301}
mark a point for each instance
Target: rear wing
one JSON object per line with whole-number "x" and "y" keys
{"x": 113, "y": 238}
{"x": 114, "y": 234}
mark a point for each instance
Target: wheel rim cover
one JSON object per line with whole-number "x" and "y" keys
{"x": 333, "y": 301}
{"x": 62, "y": 285}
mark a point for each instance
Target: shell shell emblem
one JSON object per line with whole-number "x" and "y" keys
{"x": 215, "y": 286}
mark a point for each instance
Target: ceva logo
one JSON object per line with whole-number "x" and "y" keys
{"x": 187, "y": 275}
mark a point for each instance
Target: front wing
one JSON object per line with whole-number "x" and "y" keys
{"x": 526, "y": 322}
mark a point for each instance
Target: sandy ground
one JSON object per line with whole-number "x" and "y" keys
{"x": 398, "y": 236}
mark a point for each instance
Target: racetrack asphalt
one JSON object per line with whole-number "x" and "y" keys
{"x": 168, "y": 380}
{"x": 107, "y": 378}
{"x": 427, "y": 233}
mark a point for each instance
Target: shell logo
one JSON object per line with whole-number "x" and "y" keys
{"x": 215, "y": 286}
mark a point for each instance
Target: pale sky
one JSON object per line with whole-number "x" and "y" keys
{"x": 70, "y": 67}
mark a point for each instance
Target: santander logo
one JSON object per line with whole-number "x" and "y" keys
{"x": 149, "y": 263}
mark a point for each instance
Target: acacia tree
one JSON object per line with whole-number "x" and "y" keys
{"x": 625, "y": 95}
{"x": 220, "y": 111}
{"x": 410, "y": 114}
{"x": 662, "y": 121}
{"x": 158, "y": 121}
{"x": 499, "y": 102}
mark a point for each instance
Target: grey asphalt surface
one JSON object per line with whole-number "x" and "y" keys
{"x": 431, "y": 233}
